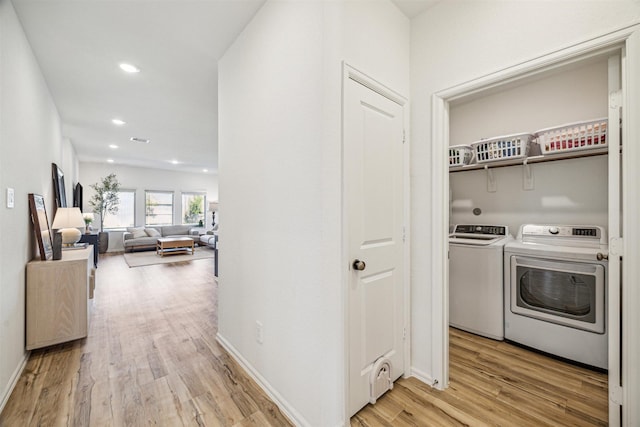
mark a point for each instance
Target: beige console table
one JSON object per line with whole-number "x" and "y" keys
{"x": 58, "y": 294}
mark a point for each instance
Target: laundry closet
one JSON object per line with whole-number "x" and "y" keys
{"x": 568, "y": 191}
{"x": 552, "y": 197}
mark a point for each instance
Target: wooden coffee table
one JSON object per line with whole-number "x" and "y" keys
{"x": 174, "y": 245}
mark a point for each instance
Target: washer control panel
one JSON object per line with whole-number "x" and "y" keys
{"x": 496, "y": 230}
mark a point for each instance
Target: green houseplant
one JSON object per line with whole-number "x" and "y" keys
{"x": 105, "y": 200}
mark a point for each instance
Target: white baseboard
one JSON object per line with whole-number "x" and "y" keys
{"x": 423, "y": 376}
{"x": 289, "y": 411}
{"x": 13, "y": 381}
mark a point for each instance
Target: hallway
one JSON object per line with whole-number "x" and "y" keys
{"x": 151, "y": 358}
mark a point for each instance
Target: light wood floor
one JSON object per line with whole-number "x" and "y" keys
{"x": 151, "y": 359}
{"x": 495, "y": 384}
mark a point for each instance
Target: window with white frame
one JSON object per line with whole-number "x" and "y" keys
{"x": 126, "y": 215}
{"x": 193, "y": 208}
{"x": 158, "y": 208}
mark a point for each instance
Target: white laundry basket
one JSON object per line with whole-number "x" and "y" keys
{"x": 460, "y": 155}
{"x": 506, "y": 147}
{"x": 576, "y": 136}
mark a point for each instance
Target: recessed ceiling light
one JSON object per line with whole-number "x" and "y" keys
{"x": 140, "y": 140}
{"x": 109, "y": 160}
{"x": 113, "y": 146}
{"x": 205, "y": 170}
{"x": 174, "y": 162}
{"x": 118, "y": 122}
{"x": 129, "y": 68}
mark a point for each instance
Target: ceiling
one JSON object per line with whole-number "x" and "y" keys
{"x": 172, "y": 101}
{"x": 412, "y": 8}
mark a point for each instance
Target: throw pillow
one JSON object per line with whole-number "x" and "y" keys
{"x": 137, "y": 232}
{"x": 152, "y": 232}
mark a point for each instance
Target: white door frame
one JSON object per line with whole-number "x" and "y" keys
{"x": 628, "y": 39}
{"x": 351, "y": 73}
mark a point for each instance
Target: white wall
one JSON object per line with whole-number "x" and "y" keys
{"x": 280, "y": 190}
{"x": 30, "y": 140}
{"x": 142, "y": 179}
{"x": 454, "y": 42}
{"x": 564, "y": 193}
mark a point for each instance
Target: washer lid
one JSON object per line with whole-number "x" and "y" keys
{"x": 474, "y": 239}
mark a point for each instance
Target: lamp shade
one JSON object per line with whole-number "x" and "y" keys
{"x": 68, "y": 220}
{"x": 213, "y": 206}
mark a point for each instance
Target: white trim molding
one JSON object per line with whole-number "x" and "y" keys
{"x": 423, "y": 376}
{"x": 631, "y": 230}
{"x": 440, "y": 243}
{"x": 287, "y": 409}
{"x": 14, "y": 380}
{"x": 627, "y": 41}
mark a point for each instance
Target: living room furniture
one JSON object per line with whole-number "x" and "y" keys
{"x": 58, "y": 298}
{"x": 92, "y": 239}
{"x": 174, "y": 245}
{"x": 210, "y": 240}
{"x": 147, "y": 237}
{"x": 68, "y": 221}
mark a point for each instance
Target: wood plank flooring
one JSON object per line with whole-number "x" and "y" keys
{"x": 151, "y": 359}
{"x": 495, "y": 384}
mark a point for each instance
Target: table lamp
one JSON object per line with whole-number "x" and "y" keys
{"x": 68, "y": 221}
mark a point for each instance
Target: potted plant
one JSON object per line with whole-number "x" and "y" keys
{"x": 105, "y": 200}
{"x": 88, "y": 219}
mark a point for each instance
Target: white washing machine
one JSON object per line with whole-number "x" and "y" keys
{"x": 476, "y": 279}
{"x": 555, "y": 291}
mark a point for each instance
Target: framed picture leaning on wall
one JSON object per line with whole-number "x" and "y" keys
{"x": 58, "y": 187}
{"x": 41, "y": 226}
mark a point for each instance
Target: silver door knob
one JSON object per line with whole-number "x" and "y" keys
{"x": 601, "y": 256}
{"x": 359, "y": 265}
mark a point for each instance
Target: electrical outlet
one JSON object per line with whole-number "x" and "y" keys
{"x": 259, "y": 332}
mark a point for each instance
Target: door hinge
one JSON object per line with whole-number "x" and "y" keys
{"x": 615, "y": 99}
{"x": 403, "y": 136}
{"x": 404, "y": 333}
{"x": 616, "y": 246}
{"x": 404, "y": 234}
{"x": 615, "y": 394}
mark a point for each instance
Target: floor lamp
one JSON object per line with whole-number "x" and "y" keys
{"x": 213, "y": 208}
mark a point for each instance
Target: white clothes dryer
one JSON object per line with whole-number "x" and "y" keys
{"x": 556, "y": 291}
{"x": 476, "y": 279}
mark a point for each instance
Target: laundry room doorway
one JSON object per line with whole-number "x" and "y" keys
{"x": 611, "y": 52}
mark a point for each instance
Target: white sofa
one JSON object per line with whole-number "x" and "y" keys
{"x": 210, "y": 239}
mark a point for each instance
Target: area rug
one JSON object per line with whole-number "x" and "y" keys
{"x": 140, "y": 259}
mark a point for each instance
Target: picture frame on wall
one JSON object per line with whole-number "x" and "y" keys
{"x": 41, "y": 228}
{"x": 77, "y": 197}
{"x": 58, "y": 186}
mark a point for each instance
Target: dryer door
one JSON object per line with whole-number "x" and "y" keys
{"x": 566, "y": 293}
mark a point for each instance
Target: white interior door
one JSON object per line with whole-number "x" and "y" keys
{"x": 373, "y": 197}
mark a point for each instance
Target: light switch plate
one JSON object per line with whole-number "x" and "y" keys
{"x": 10, "y": 198}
